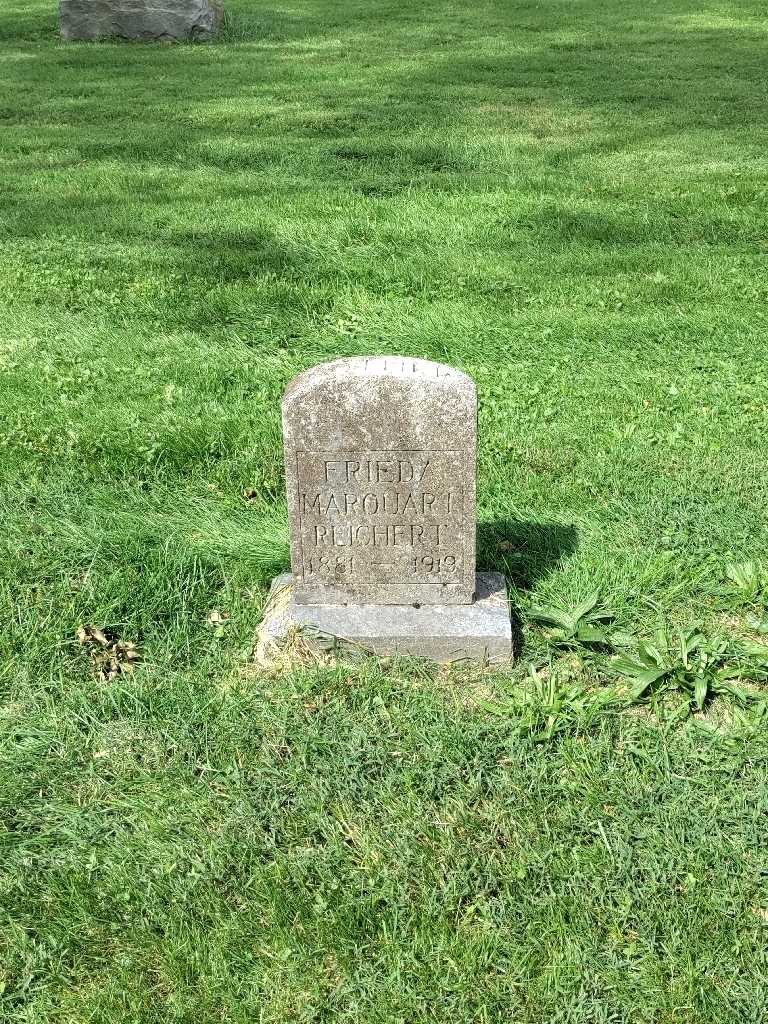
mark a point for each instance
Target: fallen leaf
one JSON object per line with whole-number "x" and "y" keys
{"x": 92, "y": 634}
{"x": 109, "y": 655}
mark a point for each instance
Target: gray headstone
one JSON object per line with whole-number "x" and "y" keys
{"x": 380, "y": 460}
{"x": 162, "y": 20}
{"x": 380, "y": 467}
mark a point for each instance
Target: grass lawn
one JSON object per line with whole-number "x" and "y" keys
{"x": 569, "y": 200}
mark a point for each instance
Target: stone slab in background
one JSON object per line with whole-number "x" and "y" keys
{"x": 477, "y": 634}
{"x": 160, "y": 20}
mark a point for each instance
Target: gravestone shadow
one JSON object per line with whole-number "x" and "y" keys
{"x": 524, "y": 553}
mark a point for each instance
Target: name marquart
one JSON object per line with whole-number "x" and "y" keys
{"x": 376, "y": 502}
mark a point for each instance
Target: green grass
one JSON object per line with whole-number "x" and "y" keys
{"x": 569, "y": 201}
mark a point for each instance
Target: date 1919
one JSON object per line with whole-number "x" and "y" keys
{"x": 429, "y": 564}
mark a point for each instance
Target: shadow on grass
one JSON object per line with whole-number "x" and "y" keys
{"x": 314, "y": 102}
{"x": 524, "y": 552}
{"x": 561, "y": 83}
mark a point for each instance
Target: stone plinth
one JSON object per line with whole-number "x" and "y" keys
{"x": 161, "y": 20}
{"x": 478, "y": 634}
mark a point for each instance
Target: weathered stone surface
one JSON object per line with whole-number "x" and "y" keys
{"x": 380, "y": 460}
{"x": 163, "y": 20}
{"x": 479, "y": 633}
{"x": 380, "y": 467}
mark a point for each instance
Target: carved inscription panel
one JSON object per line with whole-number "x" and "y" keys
{"x": 384, "y": 517}
{"x": 390, "y": 524}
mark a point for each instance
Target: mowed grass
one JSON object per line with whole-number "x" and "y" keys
{"x": 570, "y": 202}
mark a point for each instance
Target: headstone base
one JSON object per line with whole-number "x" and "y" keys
{"x": 479, "y": 633}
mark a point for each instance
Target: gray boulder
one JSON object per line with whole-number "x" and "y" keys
{"x": 161, "y": 20}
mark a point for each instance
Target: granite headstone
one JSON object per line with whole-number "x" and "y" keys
{"x": 380, "y": 460}
{"x": 380, "y": 471}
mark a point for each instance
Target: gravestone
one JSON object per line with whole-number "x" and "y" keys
{"x": 380, "y": 461}
{"x": 160, "y": 20}
{"x": 380, "y": 471}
